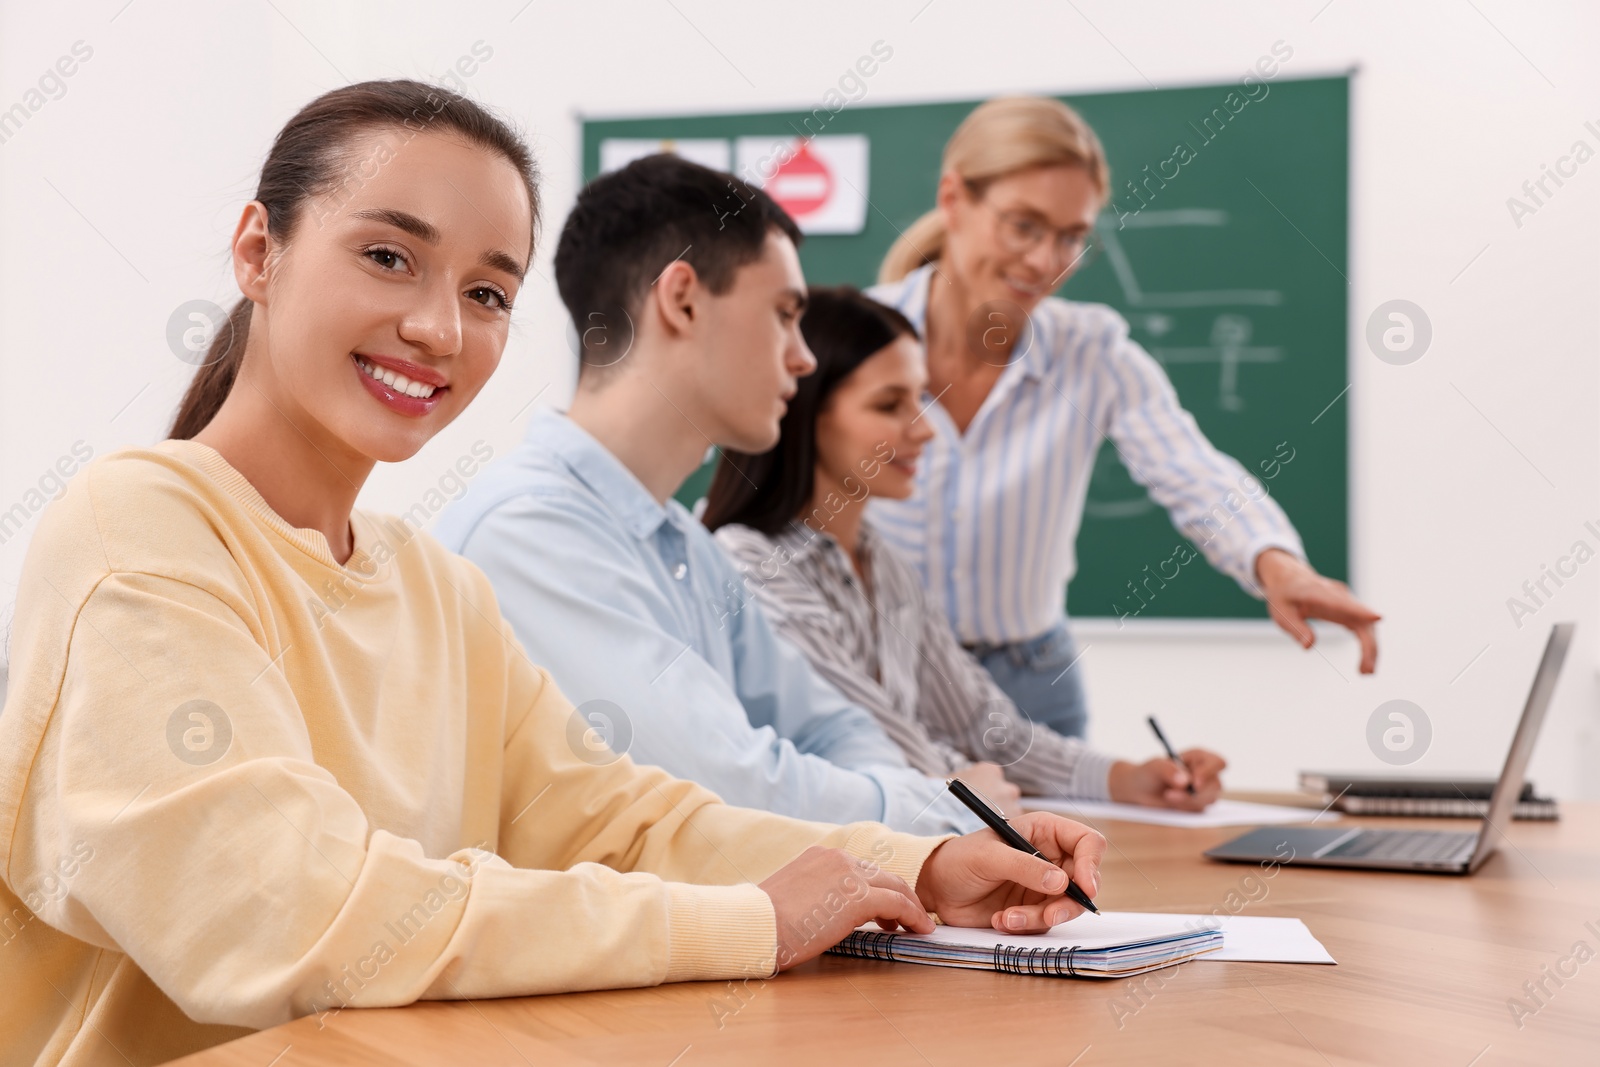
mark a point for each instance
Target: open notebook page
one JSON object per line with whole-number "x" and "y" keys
{"x": 1246, "y": 938}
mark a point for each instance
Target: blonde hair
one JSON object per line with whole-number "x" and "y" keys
{"x": 1001, "y": 137}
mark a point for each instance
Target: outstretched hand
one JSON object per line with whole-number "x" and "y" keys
{"x": 1295, "y": 594}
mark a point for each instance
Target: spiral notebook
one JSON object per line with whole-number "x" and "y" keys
{"x": 1109, "y": 945}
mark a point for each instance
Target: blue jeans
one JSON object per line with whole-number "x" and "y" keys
{"x": 1035, "y": 674}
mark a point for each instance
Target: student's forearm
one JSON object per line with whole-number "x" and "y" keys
{"x": 850, "y": 737}
{"x": 1062, "y": 766}
{"x": 822, "y": 719}
{"x": 916, "y": 803}
{"x": 1035, "y": 758}
{"x": 287, "y": 907}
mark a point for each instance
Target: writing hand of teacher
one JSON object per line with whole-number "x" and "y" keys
{"x": 1295, "y": 594}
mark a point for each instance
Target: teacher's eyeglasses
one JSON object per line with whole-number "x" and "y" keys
{"x": 1020, "y": 233}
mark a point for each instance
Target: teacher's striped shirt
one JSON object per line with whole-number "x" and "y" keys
{"x": 992, "y": 522}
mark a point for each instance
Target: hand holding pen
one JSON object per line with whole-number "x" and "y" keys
{"x": 971, "y": 880}
{"x": 1069, "y": 840}
{"x": 1172, "y": 754}
{"x": 1189, "y": 780}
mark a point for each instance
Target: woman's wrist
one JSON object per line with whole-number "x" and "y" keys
{"x": 1119, "y": 781}
{"x": 926, "y": 878}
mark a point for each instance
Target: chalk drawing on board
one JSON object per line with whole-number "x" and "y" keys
{"x": 1127, "y": 500}
{"x": 1228, "y": 349}
{"x": 1135, "y": 296}
{"x": 1229, "y": 338}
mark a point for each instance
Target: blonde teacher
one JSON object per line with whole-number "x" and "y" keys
{"x": 1022, "y": 388}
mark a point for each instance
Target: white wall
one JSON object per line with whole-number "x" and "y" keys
{"x": 1472, "y": 468}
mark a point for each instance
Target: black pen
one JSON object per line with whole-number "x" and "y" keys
{"x": 1151, "y": 719}
{"x": 997, "y": 822}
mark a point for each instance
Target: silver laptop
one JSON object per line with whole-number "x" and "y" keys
{"x": 1435, "y": 851}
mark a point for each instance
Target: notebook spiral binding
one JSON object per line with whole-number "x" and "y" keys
{"x": 1047, "y": 961}
{"x": 1051, "y": 962}
{"x": 868, "y": 945}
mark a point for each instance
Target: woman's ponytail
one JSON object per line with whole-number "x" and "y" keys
{"x": 215, "y": 377}
{"x": 922, "y": 242}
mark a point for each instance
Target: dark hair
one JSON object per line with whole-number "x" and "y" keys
{"x": 631, "y": 224}
{"x": 310, "y": 157}
{"x": 843, "y": 327}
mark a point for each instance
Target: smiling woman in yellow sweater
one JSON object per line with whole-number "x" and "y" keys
{"x": 265, "y": 755}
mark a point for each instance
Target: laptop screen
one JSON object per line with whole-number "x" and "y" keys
{"x": 1509, "y": 786}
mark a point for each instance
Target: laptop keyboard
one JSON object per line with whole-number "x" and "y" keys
{"x": 1427, "y": 846}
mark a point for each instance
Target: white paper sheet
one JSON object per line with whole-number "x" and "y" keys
{"x": 1268, "y": 939}
{"x": 1223, "y": 812}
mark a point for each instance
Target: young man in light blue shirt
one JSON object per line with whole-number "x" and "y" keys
{"x": 686, "y": 292}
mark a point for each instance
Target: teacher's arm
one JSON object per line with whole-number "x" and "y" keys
{"x": 1227, "y": 511}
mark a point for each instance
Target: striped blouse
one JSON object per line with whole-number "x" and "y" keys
{"x": 887, "y": 649}
{"x": 992, "y": 522}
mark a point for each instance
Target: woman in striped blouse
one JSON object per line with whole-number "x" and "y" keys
{"x": 1023, "y": 389}
{"x": 792, "y": 518}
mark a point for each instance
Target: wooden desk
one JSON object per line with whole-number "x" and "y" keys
{"x": 1427, "y": 966}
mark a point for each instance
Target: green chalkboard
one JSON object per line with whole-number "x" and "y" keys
{"x": 1230, "y": 267}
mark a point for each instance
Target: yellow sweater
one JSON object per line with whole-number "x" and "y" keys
{"x": 240, "y": 783}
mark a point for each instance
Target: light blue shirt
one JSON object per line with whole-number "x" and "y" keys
{"x": 645, "y": 626}
{"x": 993, "y": 518}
